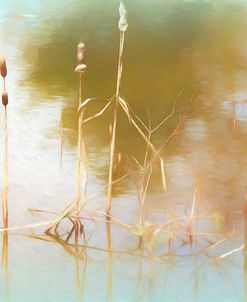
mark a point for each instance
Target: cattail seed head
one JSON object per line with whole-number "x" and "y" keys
{"x": 123, "y": 23}
{"x": 5, "y": 98}
{"x": 80, "y": 68}
{"x": 80, "y": 53}
{"x": 3, "y": 68}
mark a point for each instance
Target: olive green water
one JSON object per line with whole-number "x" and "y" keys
{"x": 175, "y": 51}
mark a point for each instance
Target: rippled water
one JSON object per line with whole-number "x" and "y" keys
{"x": 192, "y": 53}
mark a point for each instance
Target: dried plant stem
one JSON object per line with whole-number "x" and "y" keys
{"x": 79, "y": 149}
{"x": 114, "y": 125}
{"x": 81, "y": 169}
{"x": 230, "y": 252}
{"x": 5, "y": 173}
{"x": 143, "y": 193}
{"x": 112, "y": 154}
{"x": 31, "y": 226}
{"x": 144, "y": 184}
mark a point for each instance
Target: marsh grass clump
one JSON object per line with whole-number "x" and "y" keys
{"x": 74, "y": 208}
{"x": 173, "y": 228}
{"x": 118, "y": 102}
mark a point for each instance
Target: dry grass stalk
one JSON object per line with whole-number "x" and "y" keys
{"x": 230, "y": 253}
{"x": 5, "y": 172}
{"x": 145, "y": 170}
{"x": 191, "y": 223}
{"x": 81, "y": 152}
{"x": 81, "y": 167}
{"x": 122, "y": 27}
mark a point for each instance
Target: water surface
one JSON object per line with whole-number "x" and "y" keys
{"x": 189, "y": 52}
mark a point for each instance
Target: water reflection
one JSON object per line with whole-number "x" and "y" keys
{"x": 5, "y": 268}
{"x": 173, "y": 52}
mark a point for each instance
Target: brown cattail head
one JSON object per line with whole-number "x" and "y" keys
{"x": 3, "y": 68}
{"x": 80, "y": 68}
{"x": 80, "y": 53}
{"x": 5, "y": 98}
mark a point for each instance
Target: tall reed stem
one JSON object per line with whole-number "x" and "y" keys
{"x": 79, "y": 149}
{"x": 3, "y": 71}
{"x": 114, "y": 125}
{"x": 80, "y": 180}
{"x": 5, "y": 172}
{"x": 81, "y": 169}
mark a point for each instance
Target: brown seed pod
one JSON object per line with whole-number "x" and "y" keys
{"x": 5, "y": 98}
{"x": 80, "y": 53}
{"x": 80, "y": 68}
{"x": 3, "y": 68}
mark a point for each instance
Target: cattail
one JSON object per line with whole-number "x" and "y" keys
{"x": 5, "y": 98}
{"x": 3, "y": 68}
{"x": 81, "y": 68}
{"x": 81, "y": 173}
{"x": 123, "y": 23}
{"x": 80, "y": 53}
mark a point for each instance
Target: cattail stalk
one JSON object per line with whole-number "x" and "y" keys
{"x": 81, "y": 169}
{"x": 5, "y": 172}
{"x": 3, "y": 71}
{"x": 81, "y": 156}
{"x": 122, "y": 27}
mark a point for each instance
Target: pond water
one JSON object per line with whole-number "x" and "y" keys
{"x": 191, "y": 54}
